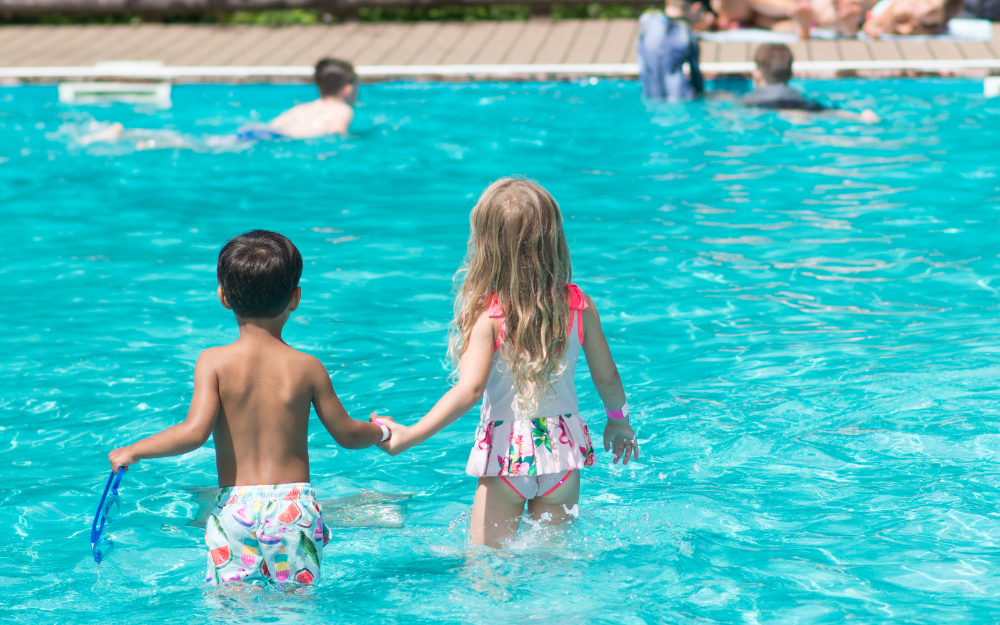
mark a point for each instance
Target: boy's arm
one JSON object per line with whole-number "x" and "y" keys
{"x": 473, "y": 373}
{"x": 349, "y": 433}
{"x": 608, "y": 382}
{"x": 187, "y": 435}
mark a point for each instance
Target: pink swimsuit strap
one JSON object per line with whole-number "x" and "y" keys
{"x": 574, "y": 297}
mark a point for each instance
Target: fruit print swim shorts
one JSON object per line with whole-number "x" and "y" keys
{"x": 265, "y": 533}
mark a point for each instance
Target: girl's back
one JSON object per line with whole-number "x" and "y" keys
{"x": 554, "y": 440}
{"x": 519, "y": 327}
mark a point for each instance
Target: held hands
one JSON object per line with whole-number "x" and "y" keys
{"x": 122, "y": 457}
{"x": 620, "y": 436}
{"x": 397, "y": 434}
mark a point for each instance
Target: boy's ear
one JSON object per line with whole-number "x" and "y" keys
{"x": 222, "y": 298}
{"x": 296, "y": 298}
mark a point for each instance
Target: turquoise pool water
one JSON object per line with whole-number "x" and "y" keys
{"x": 805, "y": 317}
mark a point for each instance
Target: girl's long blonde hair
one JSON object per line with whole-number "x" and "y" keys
{"x": 518, "y": 256}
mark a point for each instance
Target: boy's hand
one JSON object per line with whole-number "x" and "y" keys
{"x": 121, "y": 457}
{"x": 620, "y": 435}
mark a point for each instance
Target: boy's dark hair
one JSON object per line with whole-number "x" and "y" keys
{"x": 774, "y": 61}
{"x": 258, "y": 272}
{"x": 332, "y": 75}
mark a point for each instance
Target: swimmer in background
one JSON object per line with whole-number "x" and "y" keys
{"x": 519, "y": 327}
{"x": 253, "y": 397}
{"x": 332, "y": 113}
{"x": 771, "y": 90}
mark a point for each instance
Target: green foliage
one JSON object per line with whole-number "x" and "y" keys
{"x": 286, "y": 17}
{"x": 289, "y": 17}
{"x": 445, "y": 13}
{"x": 594, "y": 10}
{"x": 64, "y": 20}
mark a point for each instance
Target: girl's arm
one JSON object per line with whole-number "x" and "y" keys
{"x": 604, "y": 373}
{"x": 473, "y": 373}
{"x": 187, "y": 435}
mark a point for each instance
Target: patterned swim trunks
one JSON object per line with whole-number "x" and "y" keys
{"x": 265, "y": 533}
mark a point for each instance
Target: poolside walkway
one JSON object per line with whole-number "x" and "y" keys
{"x": 534, "y": 48}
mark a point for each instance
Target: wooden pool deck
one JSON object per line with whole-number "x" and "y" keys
{"x": 533, "y": 48}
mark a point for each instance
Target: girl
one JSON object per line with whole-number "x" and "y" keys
{"x": 518, "y": 329}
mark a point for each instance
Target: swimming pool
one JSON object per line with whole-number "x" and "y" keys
{"x": 804, "y": 317}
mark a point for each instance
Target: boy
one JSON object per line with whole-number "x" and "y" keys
{"x": 254, "y": 397}
{"x": 331, "y": 114}
{"x": 771, "y": 90}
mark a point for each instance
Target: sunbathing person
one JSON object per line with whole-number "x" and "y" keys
{"x": 796, "y": 16}
{"x": 910, "y": 17}
{"x": 331, "y": 114}
{"x": 771, "y": 90}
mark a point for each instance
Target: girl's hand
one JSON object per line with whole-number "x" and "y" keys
{"x": 122, "y": 457}
{"x": 397, "y": 435}
{"x": 620, "y": 435}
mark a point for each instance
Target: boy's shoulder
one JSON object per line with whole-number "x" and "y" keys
{"x": 302, "y": 363}
{"x": 214, "y": 355}
{"x": 234, "y": 352}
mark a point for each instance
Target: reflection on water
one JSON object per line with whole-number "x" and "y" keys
{"x": 804, "y": 316}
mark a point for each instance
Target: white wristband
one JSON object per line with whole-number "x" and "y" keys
{"x": 385, "y": 431}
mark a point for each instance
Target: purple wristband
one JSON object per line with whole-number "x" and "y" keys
{"x": 621, "y": 413}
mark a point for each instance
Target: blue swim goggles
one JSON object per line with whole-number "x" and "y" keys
{"x": 109, "y": 511}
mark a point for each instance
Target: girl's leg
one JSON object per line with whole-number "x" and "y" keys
{"x": 567, "y": 494}
{"x": 496, "y": 513}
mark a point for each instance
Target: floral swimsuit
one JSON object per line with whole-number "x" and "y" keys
{"x": 533, "y": 456}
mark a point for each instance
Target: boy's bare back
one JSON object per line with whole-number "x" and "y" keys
{"x": 263, "y": 392}
{"x": 255, "y": 395}
{"x": 326, "y": 116}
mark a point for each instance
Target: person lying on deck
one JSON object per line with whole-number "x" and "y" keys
{"x": 795, "y": 16}
{"x": 771, "y": 90}
{"x": 910, "y": 17}
{"x": 331, "y": 114}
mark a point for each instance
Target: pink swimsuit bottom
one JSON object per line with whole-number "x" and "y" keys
{"x": 531, "y": 486}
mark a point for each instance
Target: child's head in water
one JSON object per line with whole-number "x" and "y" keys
{"x": 258, "y": 274}
{"x": 774, "y": 64}
{"x": 336, "y": 79}
{"x": 518, "y": 259}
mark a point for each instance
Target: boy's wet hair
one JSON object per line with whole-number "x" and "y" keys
{"x": 332, "y": 75}
{"x": 774, "y": 61}
{"x": 258, "y": 272}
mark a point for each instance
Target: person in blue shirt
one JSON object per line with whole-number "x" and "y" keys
{"x": 666, "y": 43}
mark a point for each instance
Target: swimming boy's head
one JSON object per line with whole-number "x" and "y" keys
{"x": 518, "y": 257}
{"x": 258, "y": 275}
{"x": 774, "y": 63}
{"x": 336, "y": 79}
